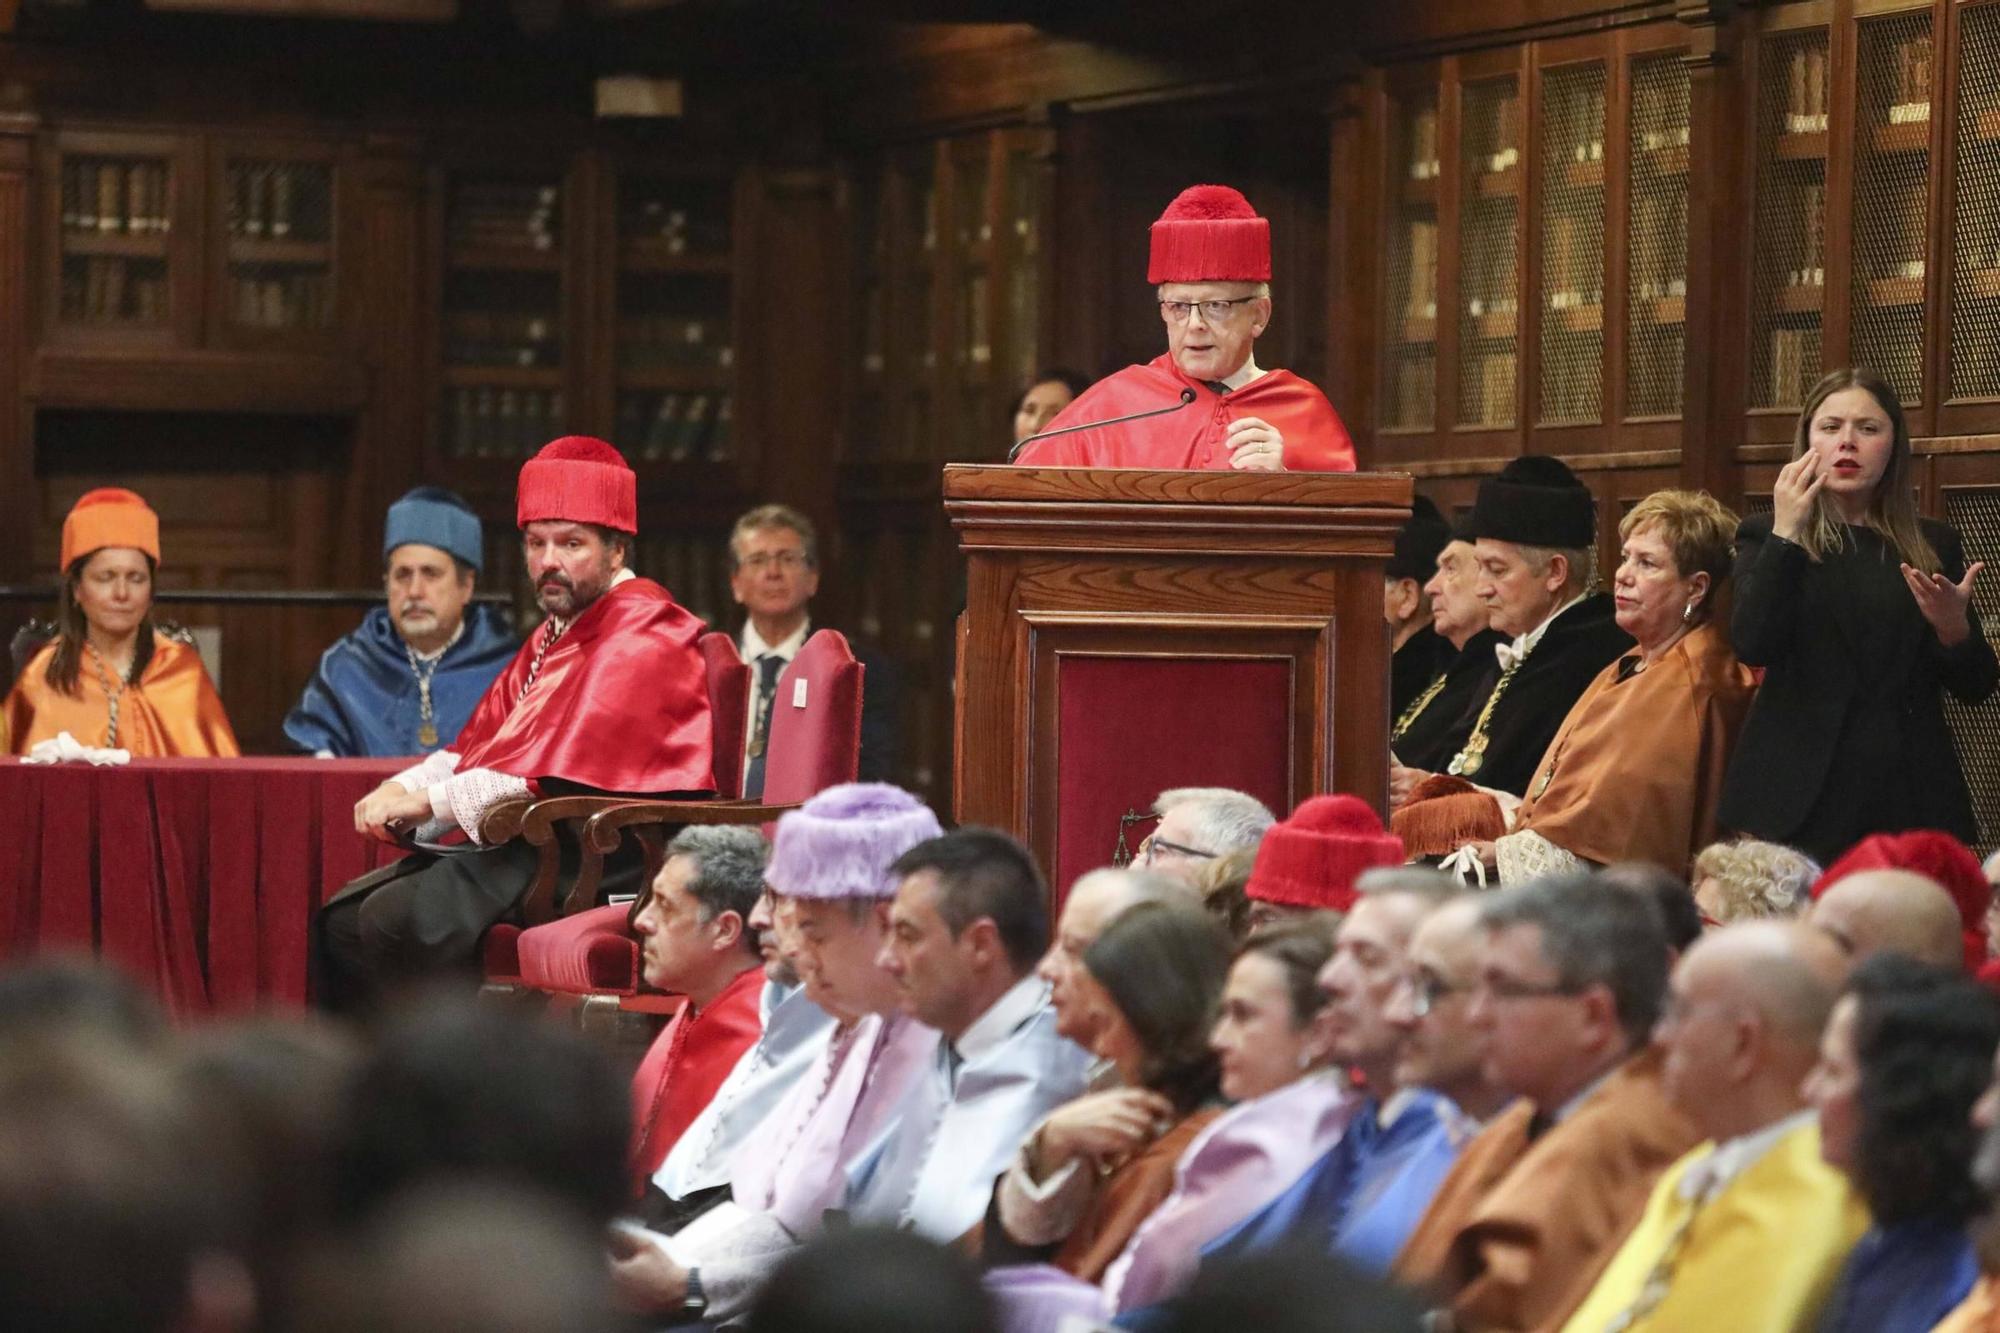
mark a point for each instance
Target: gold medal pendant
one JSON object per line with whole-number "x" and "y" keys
{"x": 427, "y": 735}
{"x": 1474, "y": 756}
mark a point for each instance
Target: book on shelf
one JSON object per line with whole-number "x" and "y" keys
{"x": 1424, "y": 144}
{"x": 721, "y": 440}
{"x": 687, "y": 434}
{"x": 1805, "y": 100}
{"x": 662, "y": 430}
{"x": 1909, "y": 82}
{"x": 1422, "y": 303}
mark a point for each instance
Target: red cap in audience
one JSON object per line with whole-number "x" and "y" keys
{"x": 1209, "y": 233}
{"x": 109, "y": 516}
{"x": 1936, "y": 856}
{"x": 578, "y": 479}
{"x": 1312, "y": 858}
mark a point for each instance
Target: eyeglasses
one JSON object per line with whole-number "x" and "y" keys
{"x": 1507, "y": 988}
{"x": 1214, "y": 312}
{"x": 1427, "y": 989}
{"x": 1151, "y": 849}
{"x": 763, "y": 560}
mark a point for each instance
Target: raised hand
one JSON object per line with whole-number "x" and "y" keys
{"x": 1255, "y": 445}
{"x": 1943, "y": 602}
{"x": 1100, "y": 1126}
{"x": 1792, "y": 495}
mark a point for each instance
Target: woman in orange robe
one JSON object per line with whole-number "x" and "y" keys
{"x": 109, "y": 677}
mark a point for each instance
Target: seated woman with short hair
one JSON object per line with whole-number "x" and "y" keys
{"x": 1636, "y": 769}
{"x": 1744, "y": 879}
{"x": 109, "y": 677}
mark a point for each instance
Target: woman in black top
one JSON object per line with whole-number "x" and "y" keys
{"x": 1860, "y": 613}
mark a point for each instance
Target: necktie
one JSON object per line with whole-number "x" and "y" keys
{"x": 768, "y": 667}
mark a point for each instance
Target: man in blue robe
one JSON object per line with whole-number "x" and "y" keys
{"x": 405, "y": 682}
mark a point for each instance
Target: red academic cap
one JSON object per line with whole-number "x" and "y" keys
{"x": 1311, "y": 859}
{"x": 1936, "y": 856}
{"x": 1209, "y": 233}
{"x": 578, "y": 479}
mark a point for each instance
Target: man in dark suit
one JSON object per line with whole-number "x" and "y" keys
{"x": 773, "y": 574}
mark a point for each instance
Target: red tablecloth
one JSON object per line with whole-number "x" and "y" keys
{"x": 197, "y": 876}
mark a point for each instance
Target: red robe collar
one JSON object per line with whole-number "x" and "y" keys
{"x": 1315, "y": 438}
{"x": 620, "y": 703}
{"x": 687, "y": 1063}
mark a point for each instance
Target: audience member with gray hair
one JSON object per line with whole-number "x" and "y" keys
{"x": 1572, "y": 980}
{"x": 1199, "y": 824}
{"x": 1746, "y": 877}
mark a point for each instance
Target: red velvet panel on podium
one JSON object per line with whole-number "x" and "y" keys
{"x": 1127, "y": 631}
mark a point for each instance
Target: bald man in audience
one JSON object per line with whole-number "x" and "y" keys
{"x": 1748, "y": 1230}
{"x": 1572, "y": 977}
{"x": 1093, "y": 902}
{"x": 1891, "y": 911}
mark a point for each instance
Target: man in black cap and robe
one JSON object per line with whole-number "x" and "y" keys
{"x": 1432, "y": 727}
{"x": 1418, "y": 651}
{"x": 1533, "y": 526}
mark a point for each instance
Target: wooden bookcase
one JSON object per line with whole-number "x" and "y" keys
{"x": 948, "y": 269}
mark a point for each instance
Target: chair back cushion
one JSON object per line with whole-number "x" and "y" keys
{"x": 729, "y": 707}
{"x": 815, "y": 740}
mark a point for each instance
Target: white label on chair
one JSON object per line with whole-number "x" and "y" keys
{"x": 799, "y": 693}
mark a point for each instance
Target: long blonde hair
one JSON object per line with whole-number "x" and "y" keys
{"x": 1891, "y": 510}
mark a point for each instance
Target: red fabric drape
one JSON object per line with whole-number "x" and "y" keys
{"x": 198, "y": 877}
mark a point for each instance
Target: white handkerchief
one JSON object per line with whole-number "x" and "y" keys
{"x": 64, "y": 748}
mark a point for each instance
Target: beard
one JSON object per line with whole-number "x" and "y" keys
{"x": 562, "y": 597}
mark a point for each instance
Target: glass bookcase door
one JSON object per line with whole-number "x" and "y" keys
{"x": 277, "y": 232}
{"x": 1410, "y": 288}
{"x": 1975, "y": 295}
{"x": 502, "y": 315}
{"x": 1656, "y": 237}
{"x": 674, "y": 336}
{"x": 1892, "y": 161}
{"x": 1788, "y": 281}
{"x": 118, "y": 219}
{"x": 1571, "y": 388}
{"x": 1489, "y": 226}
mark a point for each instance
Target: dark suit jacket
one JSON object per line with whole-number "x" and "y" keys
{"x": 881, "y": 716}
{"x": 1847, "y": 736}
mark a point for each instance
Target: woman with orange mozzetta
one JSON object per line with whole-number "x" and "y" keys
{"x": 109, "y": 677}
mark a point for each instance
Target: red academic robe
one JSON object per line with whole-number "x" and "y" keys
{"x": 1193, "y": 437}
{"x": 621, "y": 704}
{"x": 687, "y": 1063}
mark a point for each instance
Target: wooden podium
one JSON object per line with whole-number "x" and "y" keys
{"x": 1128, "y": 631}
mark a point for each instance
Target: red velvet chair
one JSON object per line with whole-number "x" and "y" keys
{"x": 729, "y": 711}
{"x": 814, "y": 743}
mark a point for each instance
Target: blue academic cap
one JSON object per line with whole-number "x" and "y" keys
{"x": 434, "y": 516}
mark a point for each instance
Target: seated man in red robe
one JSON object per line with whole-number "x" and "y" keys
{"x": 698, "y": 942}
{"x": 1211, "y": 264}
{"x": 609, "y": 695}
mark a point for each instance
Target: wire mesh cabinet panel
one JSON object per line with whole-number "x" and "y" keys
{"x": 1975, "y": 285}
{"x": 1489, "y": 244}
{"x": 1975, "y": 512}
{"x": 1788, "y": 281}
{"x": 1892, "y": 198}
{"x": 1572, "y": 245}
{"x": 1410, "y": 305}
{"x": 1656, "y": 237}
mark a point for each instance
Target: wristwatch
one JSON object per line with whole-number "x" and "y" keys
{"x": 695, "y": 1305}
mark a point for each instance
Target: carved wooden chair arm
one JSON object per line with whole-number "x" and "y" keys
{"x": 602, "y": 831}
{"x": 502, "y": 820}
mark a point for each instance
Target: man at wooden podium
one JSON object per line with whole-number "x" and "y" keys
{"x": 1206, "y": 403}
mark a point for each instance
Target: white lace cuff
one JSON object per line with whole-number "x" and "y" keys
{"x": 434, "y": 769}
{"x": 467, "y": 796}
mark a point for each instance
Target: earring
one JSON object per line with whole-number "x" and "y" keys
{"x": 1687, "y": 612}
{"x": 1305, "y": 1061}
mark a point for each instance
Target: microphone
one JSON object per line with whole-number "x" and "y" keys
{"x": 1187, "y": 396}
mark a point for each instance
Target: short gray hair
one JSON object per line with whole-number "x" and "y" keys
{"x": 1582, "y": 563}
{"x": 1225, "y": 820}
{"x": 728, "y": 868}
{"x": 769, "y": 516}
{"x": 1433, "y": 886}
{"x": 1594, "y": 933}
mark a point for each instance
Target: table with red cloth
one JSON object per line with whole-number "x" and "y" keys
{"x": 198, "y": 877}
